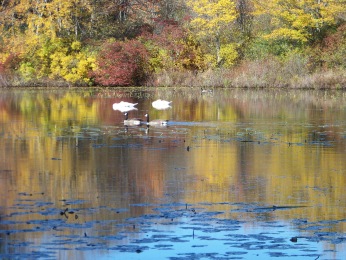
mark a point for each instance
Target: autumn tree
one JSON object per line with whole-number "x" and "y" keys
{"x": 299, "y": 21}
{"x": 51, "y": 18}
{"x": 334, "y": 49}
{"x": 212, "y": 21}
{"x": 245, "y": 17}
{"x": 123, "y": 19}
{"x": 172, "y": 47}
{"x": 172, "y": 10}
{"x": 47, "y": 35}
{"x": 6, "y": 67}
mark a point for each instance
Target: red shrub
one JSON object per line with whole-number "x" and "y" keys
{"x": 12, "y": 62}
{"x": 168, "y": 34}
{"x": 122, "y": 64}
{"x": 8, "y": 68}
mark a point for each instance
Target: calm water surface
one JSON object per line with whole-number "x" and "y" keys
{"x": 236, "y": 174}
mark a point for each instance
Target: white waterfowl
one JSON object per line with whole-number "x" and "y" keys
{"x": 156, "y": 122}
{"x": 132, "y": 121}
{"x": 125, "y": 109}
{"x": 123, "y": 106}
{"x": 161, "y": 104}
{"x": 127, "y": 104}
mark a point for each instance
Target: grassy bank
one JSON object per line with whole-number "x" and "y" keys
{"x": 255, "y": 74}
{"x": 267, "y": 74}
{"x": 15, "y": 81}
{"x": 238, "y": 78}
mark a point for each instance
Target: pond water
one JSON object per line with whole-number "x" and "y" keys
{"x": 236, "y": 174}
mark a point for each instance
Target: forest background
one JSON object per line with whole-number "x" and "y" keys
{"x": 229, "y": 43}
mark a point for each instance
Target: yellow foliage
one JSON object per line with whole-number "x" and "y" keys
{"x": 25, "y": 27}
{"x": 49, "y": 18}
{"x": 27, "y": 70}
{"x": 186, "y": 54}
{"x": 210, "y": 59}
{"x": 160, "y": 60}
{"x": 288, "y": 34}
{"x": 76, "y": 45}
{"x": 54, "y": 58}
{"x": 298, "y": 20}
{"x": 73, "y": 66}
{"x": 228, "y": 54}
{"x": 213, "y": 21}
{"x": 212, "y": 16}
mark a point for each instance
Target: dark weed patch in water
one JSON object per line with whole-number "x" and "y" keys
{"x": 173, "y": 230}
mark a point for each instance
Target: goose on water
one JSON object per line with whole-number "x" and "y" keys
{"x": 157, "y": 122}
{"x": 161, "y": 104}
{"x": 206, "y": 91}
{"x": 132, "y": 121}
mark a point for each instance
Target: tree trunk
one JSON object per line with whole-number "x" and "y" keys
{"x": 218, "y": 48}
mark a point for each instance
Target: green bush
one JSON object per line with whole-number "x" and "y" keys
{"x": 261, "y": 48}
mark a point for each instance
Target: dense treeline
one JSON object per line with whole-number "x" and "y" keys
{"x": 173, "y": 42}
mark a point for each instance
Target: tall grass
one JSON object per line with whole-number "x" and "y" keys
{"x": 269, "y": 73}
{"x": 4, "y": 81}
{"x": 294, "y": 72}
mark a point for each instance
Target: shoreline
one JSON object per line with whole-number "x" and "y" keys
{"x": 221, "y": 78}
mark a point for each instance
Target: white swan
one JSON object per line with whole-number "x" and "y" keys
{"x": 161, "y": 104}
{"x": 124, "y": 106}
{"x": 125, "y": 109}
